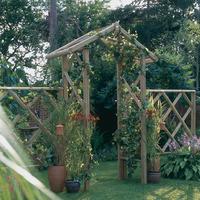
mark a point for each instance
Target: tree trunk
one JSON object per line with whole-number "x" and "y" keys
{"x": 53, "y": 25}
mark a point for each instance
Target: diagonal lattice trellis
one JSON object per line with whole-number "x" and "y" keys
{"x": 40, "y": 125}
{"x": 172, "y": 112}
{"x": 189, "y": 96}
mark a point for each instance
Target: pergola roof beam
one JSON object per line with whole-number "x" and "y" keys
{"x": 83, "y": 43}
{"x": 138, "y": 44}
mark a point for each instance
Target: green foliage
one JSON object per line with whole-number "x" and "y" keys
{"x": 168, "y": 72}
{"x": 78, "y": 152}
{"x": 42, "y": 154}
{"x": 78, "y": 17}
{"x": 186, "y": 166}
{"x": 20, "y": 35}
{"x": 106, "y": 153}
{"x": 73, "y": 149}
{"x": 153, "y": 116}
{"x": 128, "y": 137}
{"x": 16, "y": 181}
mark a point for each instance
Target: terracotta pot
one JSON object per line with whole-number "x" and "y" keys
{"x": 57, "y": 176}
{"x": 59, "y": 129}
{"x": 72, "y": 186}
{"x": 153, "y": 165}
{"x": 153, "y": 177}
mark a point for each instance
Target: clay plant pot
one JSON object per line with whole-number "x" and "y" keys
{"x": 57, "y": 176}
{"x": 153, "y": 177}
{"x": 72, "y": 186}
{"x": 59, "y": 129}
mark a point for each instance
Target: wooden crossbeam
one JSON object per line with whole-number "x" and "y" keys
{"x": 187, "y": 99}
{"x": 30, "y": 88}
{"x": 137, "y": 81}
{"x": 157, "y": 97}
{"x": 78, "y": 59}
{"x": 74, "y": 88}
{"x": 170, "y": 109}
{"x": 137, "y": 101}
{"x": 33, "y": 116}
{"x": 169, "y": 133}
{"x": 171, "y": 90}
{"x": 138, "y": 44}
{"x": 34, "y": 136}
{"x": 83, "y": 43}
{"x": 18, "y": 116}
{"x": 159, "y": 148}
{"x": 176, "y": 129}
{"x": 177, "y": 114}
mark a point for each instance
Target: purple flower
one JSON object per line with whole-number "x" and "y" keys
{"x": 173, "y": 146}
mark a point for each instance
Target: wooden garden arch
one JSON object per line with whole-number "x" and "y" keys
{"x": 80, "y": 45}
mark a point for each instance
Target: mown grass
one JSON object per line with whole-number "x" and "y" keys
{"x": 106, "y": 186}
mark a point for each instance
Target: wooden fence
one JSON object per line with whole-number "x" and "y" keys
{"x": 12, "y": 92}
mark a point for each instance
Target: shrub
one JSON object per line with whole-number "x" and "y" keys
{"x": 186, "y": 166}
{"x": 184, "y": 163}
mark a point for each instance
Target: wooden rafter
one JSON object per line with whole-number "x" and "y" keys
{"x": 83, "y": 43}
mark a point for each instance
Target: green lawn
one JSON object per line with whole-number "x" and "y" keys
{"x": 105, "y": 185}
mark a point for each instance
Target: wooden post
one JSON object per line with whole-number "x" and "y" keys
{"x": 86, "y": 87}
{"x": 86, "y": 105}
{"x": 193, "y": 113}
{"x": 65, "y": 68}
{"x": 121, "y": 157}
{"x": 143, "y": 123}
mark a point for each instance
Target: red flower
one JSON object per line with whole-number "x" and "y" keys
{"x": 81, "y": 117}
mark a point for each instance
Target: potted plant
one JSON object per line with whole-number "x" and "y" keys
{"x": 153, "y": 116}
{"x": 78, "y": 153}
{"x": 57, "y": 172}
{"x": 72, "y": 184}
{"x": 58, "y": 124}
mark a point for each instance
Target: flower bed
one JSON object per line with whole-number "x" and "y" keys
{"x": 184, "y": 162}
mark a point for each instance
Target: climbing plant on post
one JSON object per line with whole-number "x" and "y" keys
{"x": 143, "y": 121}
{"x": 121, "y": 156}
